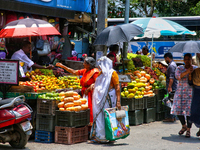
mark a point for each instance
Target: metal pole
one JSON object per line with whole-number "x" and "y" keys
{"x": 127, "y": 6}
{"x": 102, "y": 22}
{"x": 126, "y": 20}
{"x": 151, "y": 51}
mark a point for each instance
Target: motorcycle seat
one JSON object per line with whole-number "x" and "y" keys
{"x": 6, "y": 101}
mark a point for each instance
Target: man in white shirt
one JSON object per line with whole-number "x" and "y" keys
{"x": 21, "y": 55}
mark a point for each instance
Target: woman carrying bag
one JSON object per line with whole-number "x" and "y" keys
{"x": 106, "y": 95}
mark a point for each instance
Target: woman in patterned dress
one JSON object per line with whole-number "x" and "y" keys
{"x": 183, "y": 96}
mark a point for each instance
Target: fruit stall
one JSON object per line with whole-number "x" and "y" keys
{"x": 58, "y": 109}
{"x": 146, "y": 90}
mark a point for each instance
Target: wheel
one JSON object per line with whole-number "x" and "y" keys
{"x": 22, "y": 138}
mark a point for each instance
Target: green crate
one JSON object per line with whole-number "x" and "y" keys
{"x": 149, "y": 102}
{"x": 149, "y": 115}
{"x": 139, "y": 103}
{"x": 160, "y": 107}
{"x": 160, "y": 116}
{"x": 160, "y": 93}
{"x": 72, "y": 119}
{"x": 46, "y": 106}
{"x": 45, "y": 122}
{"x": 136, "y": 117}
{"x": 128, "y": 101}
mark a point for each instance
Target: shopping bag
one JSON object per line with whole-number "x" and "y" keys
{"x": 116, "y": 128}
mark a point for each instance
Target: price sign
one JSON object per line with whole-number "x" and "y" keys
{"x": 124, "y": 78}
{"x": 9, "y": 72}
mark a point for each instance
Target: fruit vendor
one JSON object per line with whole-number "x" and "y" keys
{"x": 21, "y": 55}
{"x": 89, "y": 75}
{"x": 145, "y": 51}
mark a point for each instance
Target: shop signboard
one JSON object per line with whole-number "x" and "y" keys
{"x": 9, "y": 72}
{"x": 74, "y": 5}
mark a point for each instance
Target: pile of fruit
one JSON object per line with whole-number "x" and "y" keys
{"x": 131, "y": 65}
{"x": 73, "y": 82}
{"x": 71, "y": 101}
{"x": 50, "y": 95}
{"x": 143, "y": 84}
{"x": 42, "y": 82}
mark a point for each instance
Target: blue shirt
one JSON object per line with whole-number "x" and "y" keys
{"x": 171, "y": 75}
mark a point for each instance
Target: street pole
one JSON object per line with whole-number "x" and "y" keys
{"x": 126, "y": 20}
{"x": 102, "y": 23}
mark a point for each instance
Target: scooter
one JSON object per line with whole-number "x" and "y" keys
{"x": 15, "y": 126}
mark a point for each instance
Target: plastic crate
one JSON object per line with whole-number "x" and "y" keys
{"x": 44, "y": 136}
{"x": 160, "y": 93}
{"x": 67, "y": 135}
{"x": 149, "y": 115}
{"x": 136, "y": 117}
{"x": 149, "y": 102}
{"x": 160, "y": 116}
{"x": 139, "y": 103}
{"x": 46, "y": 106}
{"x": 45, "y": 122}
{"x": 72, "y": 119}
{"x": 160, "y": 107}
{"x": 128, "y": 101}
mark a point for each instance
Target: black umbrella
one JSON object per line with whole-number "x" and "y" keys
{"x": 120, "y": 33}
{"x": 186, "y": 47}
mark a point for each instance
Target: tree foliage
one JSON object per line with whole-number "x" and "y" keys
{"x": 148, "y": 8}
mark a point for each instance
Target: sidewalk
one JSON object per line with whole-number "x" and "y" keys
{"x": 152, "y": 136}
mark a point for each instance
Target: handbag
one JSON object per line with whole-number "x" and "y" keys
{"x": 39, "y": 44}
{"x": 116, "y": 128}
{"x": 46, "y": 49}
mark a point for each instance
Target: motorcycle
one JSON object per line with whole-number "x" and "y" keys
{"x": 15, "y": 126}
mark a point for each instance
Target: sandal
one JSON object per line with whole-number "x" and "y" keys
{"x": 92, "y": 141}
{"x": 187, "y": 135}
{"x": 182, "y": 130}
{"x": 198, "y": 133}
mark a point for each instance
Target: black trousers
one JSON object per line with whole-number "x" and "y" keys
{"x": 182, "y": 120}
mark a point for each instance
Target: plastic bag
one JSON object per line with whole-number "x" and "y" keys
{"x": 86, "y": 97}
{"x": 46, "y": 49}
{"x": 167, "y": 102}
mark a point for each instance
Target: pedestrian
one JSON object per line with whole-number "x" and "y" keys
{"x": 21, "y": 55}
{"x": 183, "y": 95}
{"x": 106, "y": 87}
{"x": 194, "y": 79}
{"x": 138, "y": 52}
{"x": 114, "y": 49}
{"x": 74, "y": 53}
{"x": 171, "y": 82}
{"x": 89, "y": 75}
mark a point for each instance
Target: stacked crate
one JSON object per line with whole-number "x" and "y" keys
{"x": 135, "y": 112}
{"x": 160, "y": 107}
{"x": 45, "y": 120}
{"x": 149, "y": 109}
{"x": 71, "y": 127}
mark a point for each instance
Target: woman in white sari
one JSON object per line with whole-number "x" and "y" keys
{"x": 106, "y": 94}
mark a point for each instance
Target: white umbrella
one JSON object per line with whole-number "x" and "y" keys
{"x": 155, "y": 27}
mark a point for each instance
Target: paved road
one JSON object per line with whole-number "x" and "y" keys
{"x": 152, "y": 136}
